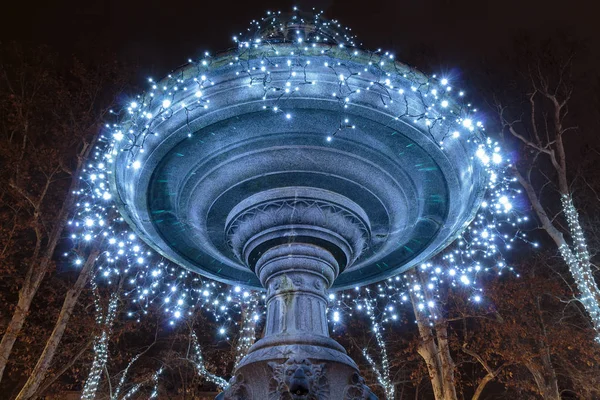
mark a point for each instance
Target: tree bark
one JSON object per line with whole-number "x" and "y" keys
{"x": 38, "y": 374}
{"x": 434, "y": 348}
{"x": 39, "y": 266}
{"x": 543, "y": 135}
{"x": 48, "y": 382}
{"x": 546, "y": 381}
{"x": 491, "y": 374}
{"x": 482, "y": 384}
{"x": 101, "y": 347}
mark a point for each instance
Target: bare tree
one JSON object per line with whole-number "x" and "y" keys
{"x": 105, "y": 319}
{"x": 381, "y": 367}
{"x": 434, "y": 344}
{"x": 541, "y": 125}
{"x": 38, "y": 374}
{"x": 51, "y": 118}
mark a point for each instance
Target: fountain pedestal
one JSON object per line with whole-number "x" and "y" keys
{"x": 296, "y": 359}
{"x": 297, "y": 167}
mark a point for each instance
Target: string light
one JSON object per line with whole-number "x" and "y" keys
{"x": 578, "y": 261}
{"x": 105, "y": 321}
{"x": 201, "y": 367}
{"x": 152, "y": 281}
{"x": 382, "y": 371}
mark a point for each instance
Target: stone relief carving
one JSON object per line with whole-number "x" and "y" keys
{"x": 285, "y": 351}
{"x": 298, "y": 379}
{"x": 294, "y": 211}
{"x": 238, "y": 389}
{"x": 358, "y": 389}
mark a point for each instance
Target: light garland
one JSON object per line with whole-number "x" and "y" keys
{"x": 578, "y": 261}
{"x": 247, "y": 333}
{"x": 100, "y": 345}
{"x": 201, "y": 367}
{"x": 137, "y": 387}
{"x": 119, "y": 387}
{"x": 155, "y": 377}
{"x": 382, "y": 372}
{"x": 152, "y": 281}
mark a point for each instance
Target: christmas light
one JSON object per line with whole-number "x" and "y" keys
{"x": 152, "y": 281}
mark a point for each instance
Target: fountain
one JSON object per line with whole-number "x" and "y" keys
{"x": 299, "y": 164}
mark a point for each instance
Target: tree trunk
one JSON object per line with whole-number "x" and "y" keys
{"x": 434, "y": 347}
{"x": 38, "y": 267}
{"x": 546, "y": 381}
{"x": 30, "y": 285}
{"x": 482, "y": 384}
{"x": 491, "y": 374}
{"x": 41, "y": 369}
{"x": 101, "y": 348}
{"x": 576, "y": 256}
{"x": 48, "y": 382}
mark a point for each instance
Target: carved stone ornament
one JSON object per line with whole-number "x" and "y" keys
{"x": 298, "y": 379}
{"x": 358, "y": 389}
{"x": 348, "y": 222}
{"x": 238, "y": 389}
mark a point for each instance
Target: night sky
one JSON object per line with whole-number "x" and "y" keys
{"x": 158, "y": 36}
{"x": 450, "y": 37}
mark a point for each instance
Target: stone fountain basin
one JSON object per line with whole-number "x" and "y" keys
{"x": 410, "y": 195}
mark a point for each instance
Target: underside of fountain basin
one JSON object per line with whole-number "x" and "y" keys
{"x": 214, "y": 172}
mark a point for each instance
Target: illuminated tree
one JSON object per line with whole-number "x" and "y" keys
{"x": 434, "y": 344}
{"x": 541, "y": 123}
{"x": 105, "y": 318}
{"x": 154, "y": 283}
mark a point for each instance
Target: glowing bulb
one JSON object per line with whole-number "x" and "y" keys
{"x": 166, "y": 103}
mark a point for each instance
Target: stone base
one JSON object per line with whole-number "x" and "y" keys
{"x": 307, "y": 373}
{"x": 296, "y": 359}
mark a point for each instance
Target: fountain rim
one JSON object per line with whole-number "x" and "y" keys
{"x": 331, "y": 51}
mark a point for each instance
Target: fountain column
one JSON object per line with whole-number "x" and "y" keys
{"x": 296, "y": 249}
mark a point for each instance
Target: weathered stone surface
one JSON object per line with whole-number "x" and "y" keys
{"x": 413, "y": 195}
{"x": 296, "y": 359}
{"x": 238, "y": 194}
